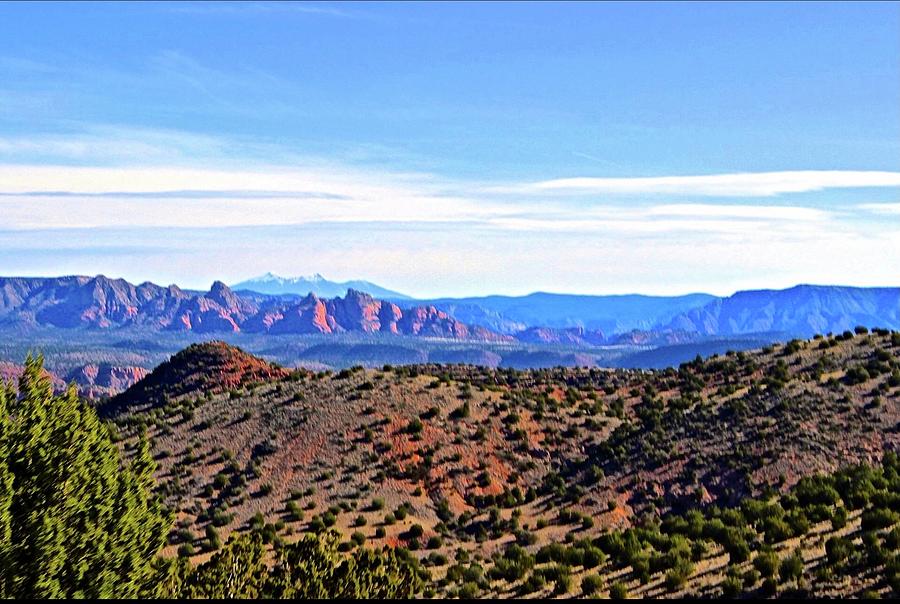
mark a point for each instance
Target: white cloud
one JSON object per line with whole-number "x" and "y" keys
{"x": 35, "y": 197}
{"x": 16, "y": 179}
{"x": 700, "y": 210}
{"x": 448, "y": 260}
{"x": 420, "y": 233}
{"x": 880, "y": 208}
{"x": 42, "y": 197}
{"x": 620, "y": 226}
{"x": 752, "y": 184}
{"x": 42, "y": 212}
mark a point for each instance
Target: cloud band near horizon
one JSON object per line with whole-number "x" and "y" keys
{"x": 59, "y": 197}
{"x": 37, "y": 179}
{"x": 429, "y": 236}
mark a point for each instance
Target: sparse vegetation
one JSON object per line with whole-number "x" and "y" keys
{"x": 555, "y": 481}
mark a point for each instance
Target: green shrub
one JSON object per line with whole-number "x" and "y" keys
{"x": 591, "y": 584}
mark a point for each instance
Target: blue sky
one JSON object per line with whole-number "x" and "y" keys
{"x": 454, "y": 149}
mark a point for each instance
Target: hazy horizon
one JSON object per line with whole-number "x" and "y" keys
{"x": 201, "y": 287}
{"x": 454, "y": 149}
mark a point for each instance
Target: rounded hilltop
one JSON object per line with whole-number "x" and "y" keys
{"x": 213, "y": 366}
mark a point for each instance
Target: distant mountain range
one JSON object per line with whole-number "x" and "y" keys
{"x": 557, "y": 319}
{"x": 508, "y": 314}
{"x": 104, "y": 303}
{"x": 608, "y": 314}
{"x": 314, "y": 284}
{"x": 800, "y": 311}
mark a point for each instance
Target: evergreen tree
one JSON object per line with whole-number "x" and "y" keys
{"x": 238, "y": 571}
{"x": 76, "y": 522}
{"x": 169, "y": 579}
{"x": 313, "y": 568}
{"x": 6, "y": 486}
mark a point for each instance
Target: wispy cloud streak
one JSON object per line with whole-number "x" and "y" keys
{"x": 881, "y": 208}
{"x": 754, "y": 184}
{"x": 34, "y": 197}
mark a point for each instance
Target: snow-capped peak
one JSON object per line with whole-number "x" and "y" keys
{"x": 269, "y": 278}
{"x": 273, "y": 278}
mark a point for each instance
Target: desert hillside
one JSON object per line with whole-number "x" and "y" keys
{"x": 460, "y": 463}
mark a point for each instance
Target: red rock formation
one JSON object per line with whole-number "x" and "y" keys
{"x": 115, "y": 378}
{"x": 102, "y": 303}
{"x": 359, "y": 312}
{"x": 11, "y": 372}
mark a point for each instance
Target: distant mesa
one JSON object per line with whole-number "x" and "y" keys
{"x": 801, "y": 311}
{"x": 571, "y": 335}
{"x": 657, "y": 337}
{"x": 11, "y": 372}
{"x": 95, "y": 380}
